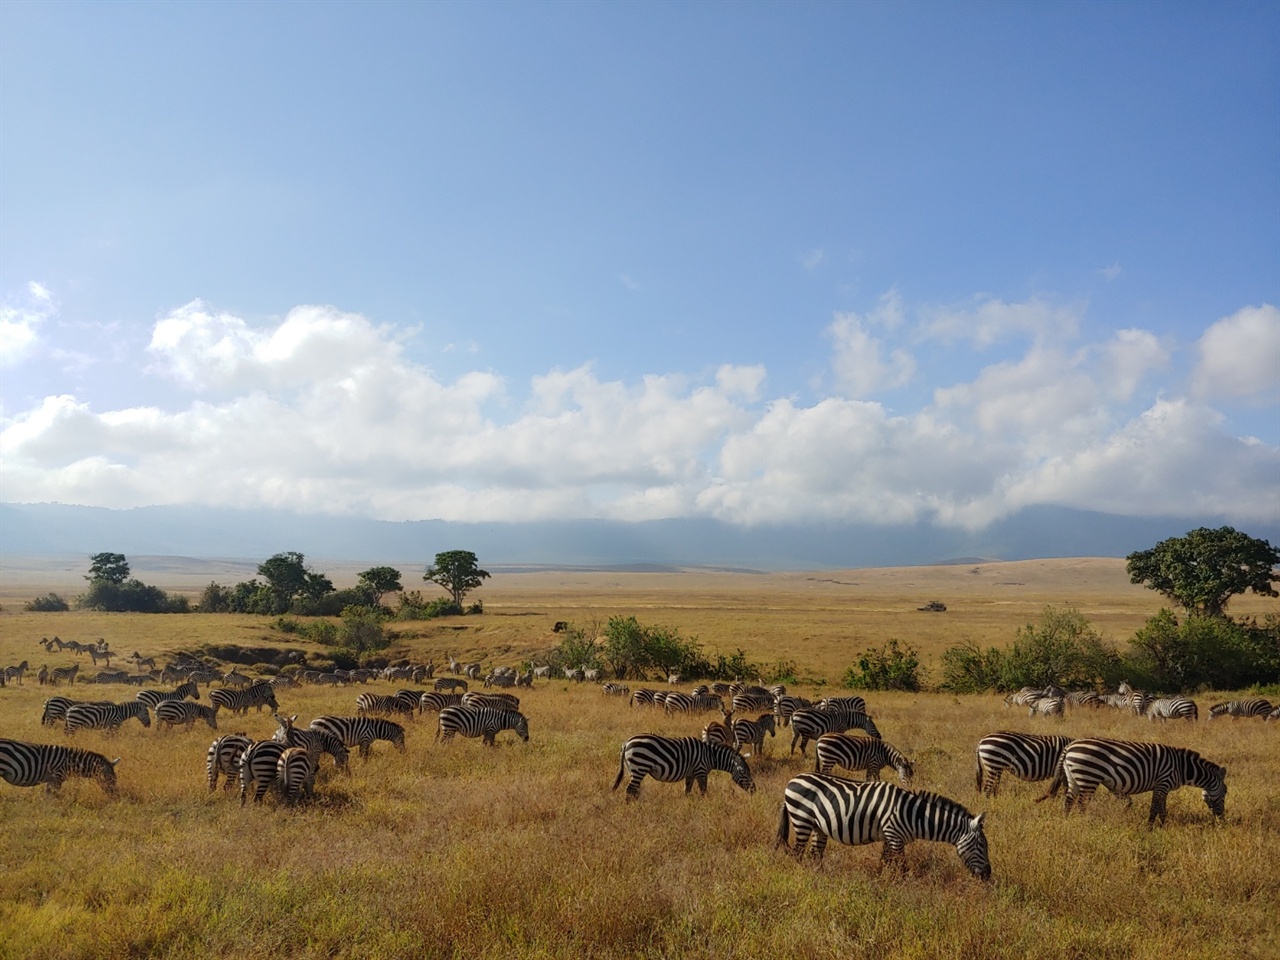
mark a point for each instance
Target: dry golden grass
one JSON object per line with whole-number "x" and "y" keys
{"x": 523, "y": 850}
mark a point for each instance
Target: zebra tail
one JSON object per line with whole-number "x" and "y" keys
{"x": 979, "y": 778}
{"x": 622, "y": 766}
{"x": 784, "y": 830}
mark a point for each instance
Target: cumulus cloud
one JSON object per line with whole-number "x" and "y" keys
{"x": 20, "y": 323}
{"x": 1239, "y": 356}
{"x": 862, "y": 362}
{"x": 989, "y": 321}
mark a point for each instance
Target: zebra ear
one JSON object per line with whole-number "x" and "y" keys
{"x": 978, "y": 821}
{"x": 116, "y": 760}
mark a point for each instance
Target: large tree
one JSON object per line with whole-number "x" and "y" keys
{"x": 288, "y": 578}
{"x": 456, "y": 571}
{"x": 1203, "y": 570}
{"x": 377, "y": 581}
{"x": 108, "y": 567}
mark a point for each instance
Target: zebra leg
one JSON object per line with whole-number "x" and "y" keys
{"x": 784, "y": 829}
{"x": 794, "y": 737}
{"x": 1158, "y": 808}
{"x": 819, "y": 845}
{"x": 873, "y": 773}
{"x": 633, "y": 787}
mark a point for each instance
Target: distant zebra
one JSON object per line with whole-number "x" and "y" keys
{"x": 295, "y": 774}
{"x": 1127, "y": 768}
{"x": 224, "y": 758}
{"x": 499, "y": 701}
{"x": 820, "y": 807}
{"x": 751, "y": 732}
{"x": 15, "y": 673}
{"x": 1255, "y": 707}
{"x": 361, "y": 732}
{"x": 105, "y": 716}
{"x": 435, "y": 702}
{"x": 315, "y": 742}
{"x": 236, "y": 679}
{"x": 259, "y": 769}
{"x": 373, "y": 704}
{"x": 55, "y": 709}
{"x": 1135, "y": 700}
{"x": 480, "y": 722}
{"x": 1173, "y": 708}
{"x": 615, "y": 690}
{"x": 1028, "y": 756}
{"x": 170, "y": 713}
{"x": 1047, "y": 707}
{"x": 643, "y": 697}
{"x": 809, "y": 725}
{"x": 449, "y": 683}
{"x": 153, "y": 698}
{"x": 859, "y": 753}
{"x": 786, "y": 705}
{"x": 671, "y": 759}
{"x": 58, "y": 674}
{"x": 853, "y": 704}
{"x": 753, "y": 702}
{"x": 685, "y": 703}
{"x": 28, "y": 764}
{"x": 257, "y": 695}
{"x": 1084, "y": 698}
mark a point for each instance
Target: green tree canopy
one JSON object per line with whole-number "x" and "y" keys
{"x": 1203, "y": 570}
{"x": 109, "y": 567}
{"x": 456, "y": 571}
{"x": 288, "y": 579}
{"x": 378, "y": 581}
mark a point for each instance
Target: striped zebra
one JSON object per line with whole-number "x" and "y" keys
{"x": 719, "y": 731}
{"x": 1028, "y": 756}
{"x": 1273, "y": 715}
{"x": 153, "y": 698}
{"x": 860, "y": 753}
{"x": 224, "y": 758}
{"x": 1173, "y": 708}
{"x": 373, "y": 704}
{"x": 435, "y": 702}
{"x": 1047, "y": 706}
{"x": 295, "y": 774}
{"x": 59, "y": 674}
{"x": 257, "y": 695}
{"x": 671, "y": 759}
{"x": 753, "y": 702}
{"x": 1255, "y": 707}
{"x": 819, "y": 807}
{"x": 15, "y": 673}
{"x": 449, "y": 684}
{"x": 1084, "y": 698}
{"x": 644, "y": 697}
{"x": 315, "y": 742}
{"x": 361, "y": 732}
{"x": 105, "y": 716}
{"x": 28, "y": 764}
{"x": 686, "y": 703}
{"x": 55, "y": 709}
{"x": 259, "y": 769}
{"x": 498, "y": 701}
{"x": 1127, "y": 768}
{"x": 480, "y": 722}
{"x": 786, "y": 705}
{"x": 1135, "y": 700}
{"x": 170, "y": 713}
{"x": 615, "y": 690}
{"x": 853, "y": 704}
{"x": 751, "y": 732}
{"x": 809, "y": 725}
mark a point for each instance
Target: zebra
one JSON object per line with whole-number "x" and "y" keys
{"x": 786, "y": 705}
{"x": 259, "y": 768}
{"x": 42, "y": 677}
{"x": 1127, "y": 768}
{"x": 170, "y": 713}
{"x": 361, "y": 732}
{"x": 1028, "y": 756}
{"x": 369, "y": 704}
{"x": 1173, "y": 708}
{"x": 314, "y": 741}
{"x": 295, "y": 774}
{"x": 1255, "y": 707}
{"x": 58, "y": 674}
{"x": 821, "y": 807}
{"x": 719, "y": 731}
{"x": 615, "y": 690}
{"x": 1047, "y": 706}
{"x": 153, "y": 698}
{"x": 685, "y": 703}
{"x": 752, "y": 732}
{"x": 644, "y": 696}
{"x": 860, "y": 753}
{"x": 480, "y": 722}
{"x": 105, "y": 716}
{"x": 852, "y": 704}
{"x": 1135, "y": 700}
{"x": 224, "y": 758}
{"x": 1273, "y": 715}
{"x": 809, "y": 725}
{"x": 28, "y": 764}
{"x": 449, "y": 684}
{"x": 15, "y": 673}
{"x": 499, "y": 701}
{"x": 55, "y": 709}
{"x": 257, "y": 695}
{"x": 235, "y": 679}
{"x": 671, "y": 759}
{"x": 753, "y": 702}
{"x": 433, "y": 701}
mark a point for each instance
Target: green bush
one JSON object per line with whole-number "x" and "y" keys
{"x": 887, "y": 668}
{"x": 322, "y": 632}
{"x": 215, "y": 599}
{"x": 968, "y": 669}
{"x": 49, "y": 603}
{"x": 413, "y": 606}
{"x": 1206, "y": 652}
{"x": 131, "y": 596}
{"x": 362, "y": 631}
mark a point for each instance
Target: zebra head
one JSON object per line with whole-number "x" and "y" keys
{"x": 1212, "y": 780}
{"x": 904, "y": 768}
{"x": 104, "y": 771}
{"x": 286, "y": 724}
{"x": 741, "y": 773}
{"x": 972, "y": 848}
{"x": 521, "y": 726}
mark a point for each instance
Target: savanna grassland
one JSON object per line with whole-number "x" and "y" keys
{"x": 524, "y": 851}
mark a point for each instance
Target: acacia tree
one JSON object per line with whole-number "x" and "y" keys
{"x": 456, "y": 571}
{"x": 108, "y": 567}
{"x": 1202, "y": 571}
{"x": 288, "y": 579}
{"x": 377, "y": 581}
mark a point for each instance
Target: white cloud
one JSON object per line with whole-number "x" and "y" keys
{"x": 1111, "y": 272}
{"x": 863, "y": 364}
{"x": 20, "y": 323}
{"x": 812, "y": 260}
{"x": 989, "y": 321}
{"x": 1239, "y": 356}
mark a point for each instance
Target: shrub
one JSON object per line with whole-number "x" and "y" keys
{"x": 49, "y": 603}
{"x": 361, "y": 630}
{"x": 322, "y": 632}
{"x": 967, "y": 669}
{"x": 414, "y": 607}
{"x": 887, "y": 668}
{"x": 1206, "y": 652}
{"x": 215, "y": 599}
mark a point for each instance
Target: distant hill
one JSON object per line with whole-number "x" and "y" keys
{"x": 203, "y": 532}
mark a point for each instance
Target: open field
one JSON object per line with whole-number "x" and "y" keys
{"x": 523, "y": 851}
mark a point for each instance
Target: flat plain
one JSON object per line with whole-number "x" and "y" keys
{"x": 523, "y": 850}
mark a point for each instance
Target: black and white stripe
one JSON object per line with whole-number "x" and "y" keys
{"x": 686, "y": 703}
{"x": 105, "y": 716}
{"x": 295, "y": 774}
{"x": 259, "y": 769}
{"x": 819, "y": 807}
{"x": 644, "y": 697}
{"x": 498, "y": 701}
{"x": 260, "y": 694}
{"x": 1028, "y": 756}
{"x": 1253, "y": 707}
{"x": 1127, "y": 768}
{"x": 671, "y": 759}
{"x": 224, "y": 758}
{"x": 786, "y": 705}
{"x": 361, "y": 732}
{"x": 809, "y": 725}
{"x": 58, "y": 674}
{"x": 615, "y": 690}
{"x": 30, "y": 764}
{"x": 751, "y": 732}
{"x": 483, "y": 722}
{"x": 55, "y": 709}
{"x": 171, "y": 713}
{"x": 851, "y": 704}
{"x": 435, "y": 702}
{"x": 314, "y": 742}
{"x": 153, "y": 698}
{"x": 1173, "y": 708}
{"x": 753, "y": 702}
{"x": 860, "y": 753}
{"x": 377, "y": 705}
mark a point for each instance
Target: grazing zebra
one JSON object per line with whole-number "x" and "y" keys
{"x": 1047, "y": 707}
{"x": 15, "y": 673}
{"x": 1173, "y": 708}
{"x": 43, "y": 676}
{"x": 499, "y": 701}
{"x": 480, "y": 722}
{"x": 753, "y": 702}
{"x": 1084, "y": 698}
{"x": 315, "y": 742}
{"x": 809, "y": 725}
{"x": 224, "y": 758}
{"x": 55, "y": 709}
{"x": 671, "y": 759}
{"x": 1028, "y": 756}
{"x": 259, "y": 768}
{"x": 752, "y": 732}
{"x": 851, "y": 704}
{"x": 153, "y": 698}
{"x": 28, "y": 764}
{"x": 1127, "y": 768}
{"x": 105, "y": 716}
{"x": 449, "y": 683}
{"x": 686, "y": 703}
{"x": 170, "y": 713}
{"x": 615, "y": 690}
{"x": 361, "y": 732}
{"x": 1273, "y": 715}
{"x": 295, "y": 774}
{"x": 859, "y": 753}
{"x": 58, "y": 674}
{"x": 1255, "y": 707}
{"x": 236, "y": 679}
{"x": 258, "y": 695}
{"x": 372, "y": 704}
{"x": 820, "y": 807}
{"x": 433, "y": 701}
{"x": 786, "y": 705}
{"x": 644, "y": 697}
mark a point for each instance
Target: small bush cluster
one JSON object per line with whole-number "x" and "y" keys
{"x": 888, "y": 668}
{"x": 131, "y": 596}
{"x": 49, "y": 603}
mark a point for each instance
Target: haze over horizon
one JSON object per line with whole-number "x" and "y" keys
{"x": 939, "y": 275}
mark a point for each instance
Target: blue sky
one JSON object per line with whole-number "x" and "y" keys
{"x": 758, "y": 262}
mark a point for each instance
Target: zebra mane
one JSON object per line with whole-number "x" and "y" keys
{"x": 943, "y": 808}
